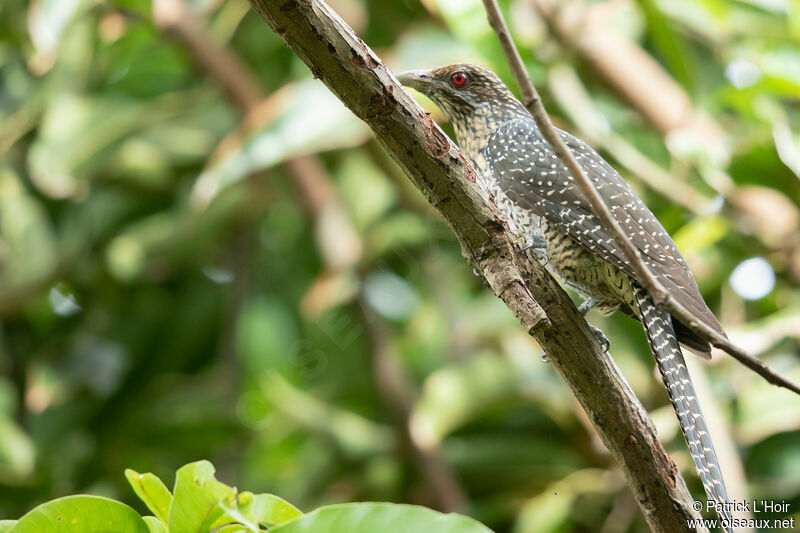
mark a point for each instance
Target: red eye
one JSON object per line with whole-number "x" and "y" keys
{"x": 458, "y": 79}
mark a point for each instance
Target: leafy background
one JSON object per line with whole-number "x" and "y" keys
{"x": 203, "y": 255}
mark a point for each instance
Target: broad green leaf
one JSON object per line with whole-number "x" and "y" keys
{"x": 155, "y": 525}
{"x": 6, "y": 525}
{"x": 152, "y": 491}
{"x": 81, "y": 514}
{"x": 466, "y": 20}
{"x": 379, "y": 517}
{"x": 196, "y": 500}
{"x": 266, "y": 509}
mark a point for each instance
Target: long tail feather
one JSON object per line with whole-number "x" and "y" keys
{"x": 672, "y": 366}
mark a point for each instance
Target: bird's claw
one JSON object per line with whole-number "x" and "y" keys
{"x": 536, "y": 245}
{"x": 605, "y": 344}
{"x": 536, "y": 242}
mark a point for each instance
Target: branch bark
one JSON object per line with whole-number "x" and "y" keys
{"x": 435, "y": 165}
{"x": 643, "y": 275}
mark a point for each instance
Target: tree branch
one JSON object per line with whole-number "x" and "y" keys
{"x": 643, "y": 275}
{"x": 356, "y": 75}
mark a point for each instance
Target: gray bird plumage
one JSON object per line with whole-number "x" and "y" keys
{"x": 519, "y": 173}
{"x": 534, "y": 179}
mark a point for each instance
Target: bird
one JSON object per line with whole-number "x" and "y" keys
{"x": 520, "y": 176}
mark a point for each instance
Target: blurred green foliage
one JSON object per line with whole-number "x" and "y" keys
{"x": 275, "y": 297}
{"x": 199, "y": 502}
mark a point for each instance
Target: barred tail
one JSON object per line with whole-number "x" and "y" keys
{"x": 672, "y": 367}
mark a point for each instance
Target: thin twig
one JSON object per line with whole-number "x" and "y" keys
{"x": 531, "y": 100}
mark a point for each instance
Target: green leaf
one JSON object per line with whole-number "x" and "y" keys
{"x": 197, "y": 496}
{"x": 233, "y": 518}
{"x": 233, "y": 528}
{"x": 152, "y": 491}
{"x": 81, "y": 514}
{"x": 270, "y": 509}
{"x": 155, "y": 525}
{"x": 375, "y": 517}
{"x": 6, "y": 525}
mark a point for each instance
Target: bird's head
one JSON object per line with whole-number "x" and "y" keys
{"x": 463, "y": 91}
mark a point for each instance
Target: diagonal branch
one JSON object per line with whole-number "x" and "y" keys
{"x": 643, "y": 275}
{"x": 434, "y": 164}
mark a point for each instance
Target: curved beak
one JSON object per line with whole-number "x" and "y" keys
{"x": 420, "y": 80}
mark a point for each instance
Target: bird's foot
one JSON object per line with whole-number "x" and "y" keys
{"x": 538, "y": 246}
{"x": 605, "y": 344}
{"x": 537, "y": 242}
{"x": 587, "y": 305}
